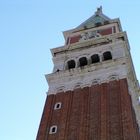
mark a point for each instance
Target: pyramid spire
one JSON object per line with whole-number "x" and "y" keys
{"x": 98, "y": 17}
{"x": 99, "y": 11}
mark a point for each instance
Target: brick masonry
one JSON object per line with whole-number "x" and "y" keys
{"x": 99, "y": 112}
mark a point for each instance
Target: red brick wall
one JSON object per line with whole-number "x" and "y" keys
{"x": 101, "y": 112}
{"x": 75, "y": 39}
{"x": 106, "y": 31}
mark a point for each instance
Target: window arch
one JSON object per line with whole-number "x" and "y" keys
{"x": 60, "y": 89}
{"x": 107, "y": 55}
{"x": 95, "y": 82}
{"x": 71, "y": 64}
{"x": 95, "y": 58}
{"x": 113, "y": 77}
{"x": 83, "y": 61}
{"x": 78, "y": 85}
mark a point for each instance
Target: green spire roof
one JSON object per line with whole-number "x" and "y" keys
{"x": 98, "y": 17}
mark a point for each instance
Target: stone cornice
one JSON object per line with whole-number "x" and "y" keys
{"x": 91, "y": 42}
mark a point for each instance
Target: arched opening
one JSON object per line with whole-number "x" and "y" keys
{"x": 53, "y": 129}
{"x": 107, "y": 55}
{"x": 83, "y": 61}
{"x": 71, "y": 64}
{"x": 57, "y": 105}
{"x": 95, "y": 58}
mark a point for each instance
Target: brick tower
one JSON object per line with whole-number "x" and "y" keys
{"x": 93, "y": 90}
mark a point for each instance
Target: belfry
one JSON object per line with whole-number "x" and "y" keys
{"x": 93, "y": 90}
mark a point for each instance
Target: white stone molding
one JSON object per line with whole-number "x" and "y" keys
{"x": 113, "y": 77}
{"x": 78, "y": 85}
{"x": 94, "y": 42}
{"x": 96, "y": 82}
{"x": 60, "y": 89}
{"x": 86, "y": 85}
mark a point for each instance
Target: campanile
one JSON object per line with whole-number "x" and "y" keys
{"x": 93, "y": 90}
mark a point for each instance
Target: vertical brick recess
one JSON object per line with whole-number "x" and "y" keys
{"x": 99, "y": 112}
{"x": 95, "y": 113}
{"x": 114, "y": 116}
{"x": 75, "y": 115}
{"x": 104, "y": 111}
{"x": 84, "y": 120}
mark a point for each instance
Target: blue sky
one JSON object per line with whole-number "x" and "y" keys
{"x": 28, "y": 29}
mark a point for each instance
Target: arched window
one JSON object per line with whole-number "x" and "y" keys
{"x": 71, "y": 64}
{"x": 95, "y": 58}
{"x": 57, "y": 105}
{"x": 53, "y": 129}
{"x": 83, "y": 61}
{"x": 107, "y": 55}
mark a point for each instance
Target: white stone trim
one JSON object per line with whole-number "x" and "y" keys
{"x": 96, "y": 82}
{"x": 112, "y": 37}
{"x": 78, "y": 85}
{"x": 60, "y": 89}
{"x": 113, "y": 77}
{"x": 85, "y": 76}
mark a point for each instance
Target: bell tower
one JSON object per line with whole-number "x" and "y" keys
{"x": 93, "y": 90}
